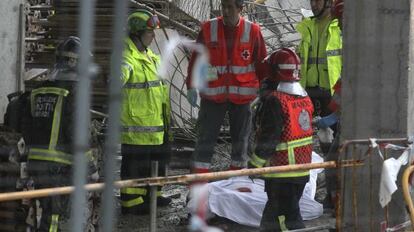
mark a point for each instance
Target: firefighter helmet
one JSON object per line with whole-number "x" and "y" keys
{"x": 285, "y": 65}
{"x": 142, "y": 20}
{"x": 67, "y": 53}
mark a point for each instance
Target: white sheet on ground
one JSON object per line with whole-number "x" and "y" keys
{"x": 246, "y": 208}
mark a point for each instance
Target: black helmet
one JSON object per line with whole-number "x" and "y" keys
{"x": 67, "y": 53}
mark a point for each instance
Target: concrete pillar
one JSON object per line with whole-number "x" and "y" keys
{"x": 377, "y": 101}
{"x": 9, "y": 49}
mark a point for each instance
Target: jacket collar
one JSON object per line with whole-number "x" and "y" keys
{"x": 137, "y": 54}
{"x": 292, "y": 88}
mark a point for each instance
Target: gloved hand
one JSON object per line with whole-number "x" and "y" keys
{"x": 327, "y": 121}
{"x": 192, "y": 97}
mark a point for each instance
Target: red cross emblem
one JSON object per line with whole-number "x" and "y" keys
{"x": 245, "y": 54}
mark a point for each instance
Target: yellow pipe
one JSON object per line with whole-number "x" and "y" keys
{"x": 159, "y": 181}
{"x": 406, "y": 191}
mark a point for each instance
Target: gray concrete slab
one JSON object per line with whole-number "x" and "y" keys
{"x": 9, "y": 29}
{"x": 377, "y": 102}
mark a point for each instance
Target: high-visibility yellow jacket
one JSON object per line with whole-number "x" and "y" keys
{"x": 145, "y": 106}
{"x": 321, "y": 57}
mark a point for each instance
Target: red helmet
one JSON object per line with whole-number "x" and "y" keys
{"x": 285, "y": 65}
{"x": 337, "y": 9}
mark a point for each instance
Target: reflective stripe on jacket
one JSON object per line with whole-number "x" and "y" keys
{"x": 295, "y": 145}
{"x": 317, "y": 69}
{"x": 46, "y": 104}
{"x": 145, "y": 105}
{"x": 236, "y": 79}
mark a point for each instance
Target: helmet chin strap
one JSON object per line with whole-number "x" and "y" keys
{"x": 141, "y": 44}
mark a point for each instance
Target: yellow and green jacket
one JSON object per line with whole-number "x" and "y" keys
{"x": 320, "y": 53}
{"x": 145, "y": 112}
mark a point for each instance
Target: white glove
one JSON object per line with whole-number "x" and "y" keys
{"x": 192, "y": 97}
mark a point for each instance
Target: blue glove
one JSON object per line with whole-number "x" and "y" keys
{"x": 192, "y": 97}
{"x": 327, "y": 121}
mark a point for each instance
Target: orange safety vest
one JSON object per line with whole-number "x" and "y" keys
{"x": 236, "y": 78}
{"x": 295, "y": 145}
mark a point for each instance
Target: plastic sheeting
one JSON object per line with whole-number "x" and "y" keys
{"x": 225, "y": 199}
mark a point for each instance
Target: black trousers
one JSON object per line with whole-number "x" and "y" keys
{"x": 50, "y": 174}
{"x": 331, "y": 173}
{"x": 136, "y": 163}
{"x": 210, "y": 120}
{"x": 282, "y": 208}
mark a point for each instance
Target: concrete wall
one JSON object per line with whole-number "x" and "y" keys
{"x": 9, "y": 29}
{"x": 377, "y": 102}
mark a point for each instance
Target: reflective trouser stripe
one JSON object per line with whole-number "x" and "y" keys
{"x": 257, "y": 161}
{"x": 50, "y": 155}
{"x": 54, "y": 224}
{"x": 134, "y": 191}
{"x": 133, "y": 202}
{"x": 54, "y": 155}
{"x": 282, "y": 223}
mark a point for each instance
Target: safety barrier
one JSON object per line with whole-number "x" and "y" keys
{"x": 344, "y": 148}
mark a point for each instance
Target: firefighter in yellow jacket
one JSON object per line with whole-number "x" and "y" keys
{"x": 320, "y": 51}
{"x": 145, "y": 113}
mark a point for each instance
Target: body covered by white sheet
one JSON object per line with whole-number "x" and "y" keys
{"x": 246, "y": 208}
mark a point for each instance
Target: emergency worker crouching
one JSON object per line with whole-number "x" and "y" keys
{"x": 283, "y": 137}
{"x": 145, "y": 116}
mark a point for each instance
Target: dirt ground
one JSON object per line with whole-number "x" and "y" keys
{"x": 175, "y": 216}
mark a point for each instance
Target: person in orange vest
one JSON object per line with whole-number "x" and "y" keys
{"x": 236, "y": 49}
{"x": 283, "y": 137}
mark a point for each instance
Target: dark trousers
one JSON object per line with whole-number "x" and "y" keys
{"x": 331, "y": 173}
{"x": 282, "y": 208}
{"x": 46, "y": 175}
{"x": 210, "y": 120}
{"x": 136, "y": 163}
